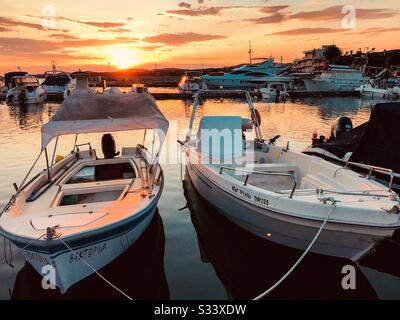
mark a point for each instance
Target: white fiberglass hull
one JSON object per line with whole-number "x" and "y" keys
{"x": 321, "y": 85}
{"x": 69, "y": 269}
{"x": 35, "y": 97}
{"x": 339, "y": 240}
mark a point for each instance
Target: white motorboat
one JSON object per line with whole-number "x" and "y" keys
{"x": 25, "y": 90}
{"x": 57, "y": 84}
{"x": 286, "y": 196}
{"x": 86, "y": 209}
{"x": 191, "y": 82}
{"x": 275, "y": 91}
{"x": 247, "y": 77}
{"x": 335, "y": 78}
{"x": 370, "y": 91}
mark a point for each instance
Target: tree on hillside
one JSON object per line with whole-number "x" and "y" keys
{"x": 332, "y": 53}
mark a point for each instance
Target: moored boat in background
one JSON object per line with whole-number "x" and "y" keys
{"x": 335, "y": 78}
{"x": 24, "y": 89}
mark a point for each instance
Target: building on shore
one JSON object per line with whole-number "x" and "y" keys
{"x": 313, "y": 60}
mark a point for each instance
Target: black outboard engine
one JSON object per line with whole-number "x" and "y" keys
{"x": 108, "y": 146}
{"x": 21, "y": 97}
{"x": 339, "y": 126}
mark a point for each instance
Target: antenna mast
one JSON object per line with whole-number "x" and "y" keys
{"x": 250, "y": 53}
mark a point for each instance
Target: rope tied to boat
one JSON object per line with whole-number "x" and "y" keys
{"x": 333, "y": 201}
{"x": 6, "y": 259}
{"x": 93, "y": 269}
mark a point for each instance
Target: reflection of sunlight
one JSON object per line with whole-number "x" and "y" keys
{"x": 122, "y": 57}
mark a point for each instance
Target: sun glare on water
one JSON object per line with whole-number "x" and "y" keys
{"x": 123, "y": 58}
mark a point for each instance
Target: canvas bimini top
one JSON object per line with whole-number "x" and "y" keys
{"x": 92, "y": 113}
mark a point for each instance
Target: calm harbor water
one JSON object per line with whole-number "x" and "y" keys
{"x": 195, "y": 253}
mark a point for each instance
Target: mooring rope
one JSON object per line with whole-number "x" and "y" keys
{"x": 95, "y": 271}
{"x": 21, "y": 249}
{"x": 287, "y": 274}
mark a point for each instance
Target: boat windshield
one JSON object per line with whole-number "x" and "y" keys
{"x": 28, "y": 81}
{"x": 239, "y": 71}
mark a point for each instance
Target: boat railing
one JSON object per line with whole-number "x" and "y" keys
{"x": 266, "y": 173}
{"x": 371, "y": 169}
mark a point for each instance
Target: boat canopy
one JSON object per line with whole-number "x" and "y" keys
{"x": 90, "y": 113}
{"x": 57, "y": 80}
{"x": 379, "y": 144}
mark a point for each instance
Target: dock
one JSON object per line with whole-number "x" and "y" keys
{"x": 231, "y": 95}
{"x": 254, "y": 94}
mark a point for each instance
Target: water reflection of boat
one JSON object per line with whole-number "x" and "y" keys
{"x": 247, "y": 265}
{"x": 139, "y": 272}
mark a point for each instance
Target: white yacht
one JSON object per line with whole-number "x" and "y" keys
{"x": 246, "y": 77}
{"x": 84, "y": 210}
{"x": 285, "y": 196}
{"x": 25, "y": 89}
{"x": 336, "y": 78}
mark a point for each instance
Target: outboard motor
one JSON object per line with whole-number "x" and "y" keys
{"x": 21, "y": 97}
{"x": 108, "y": 146}
{"x": 339, "y": 126}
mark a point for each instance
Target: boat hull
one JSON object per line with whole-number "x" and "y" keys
{"x": 68, "y": 267}
{"x": 35, "y": 97}
{"x": 344, "y": 241}
{"x": 327, "y": 86}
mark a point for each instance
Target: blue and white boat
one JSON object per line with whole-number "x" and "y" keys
{"x": 247, "y": 77}
{"x": 85, "y": 209}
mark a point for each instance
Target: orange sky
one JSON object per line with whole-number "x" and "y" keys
{"x": 185, "y": 34}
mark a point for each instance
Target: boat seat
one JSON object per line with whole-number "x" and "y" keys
{"x": 313, "y": 181}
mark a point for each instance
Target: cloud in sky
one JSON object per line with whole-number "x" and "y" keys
{"x": 335, "y": 12}
{"x": 277, "y": 15}
{"x": 14, "y": 23}
{"x": 211, "y": 11}
{"x": 178, "y": 39}
{"x": 301, "y": 31}
{"x": 184, "y": 5}
{"x": 305, "y": 31}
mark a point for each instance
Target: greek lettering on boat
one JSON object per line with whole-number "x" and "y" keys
{"x": 88, "y": 252}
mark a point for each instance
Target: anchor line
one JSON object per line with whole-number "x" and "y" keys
{"x": 19, "y": 250}
{"x": 94, "y": 270}
{"x": 288, "y": 273}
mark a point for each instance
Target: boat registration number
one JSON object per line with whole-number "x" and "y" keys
{"x": 246, "y": 195}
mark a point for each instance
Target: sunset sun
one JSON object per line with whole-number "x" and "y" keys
{"x": 123, "y": 58}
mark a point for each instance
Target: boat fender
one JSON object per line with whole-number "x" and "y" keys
{"x": 59, "y": 158}
{"x": 257, "y": 118}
